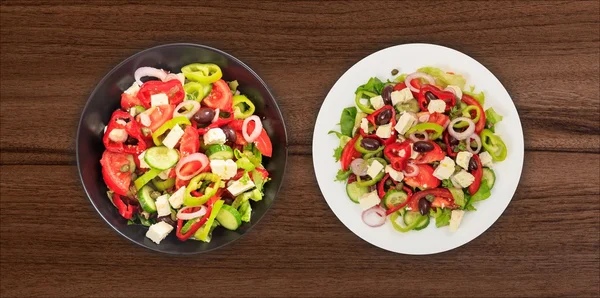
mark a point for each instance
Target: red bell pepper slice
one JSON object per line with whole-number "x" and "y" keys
{"x": 480, "y": 125}
{"x": 449, "y": 149}
{"x": 478, "y": 174}
{"x": 371, "y": 118}
{"x": 349, "y": 153}
{"x": 126, "y": 210}
{"x": 381, "y": 186}
{"x": 409, "y": 198}
{"x": 446, "y": 96}
{"x": 200, "y": 223}
{"x": 123, "y": 120}
{"x": 173, "y": 89}
{"x": 398, "y": 154}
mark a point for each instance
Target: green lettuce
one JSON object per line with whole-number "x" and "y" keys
{"x": 492, "y": 117}
{"x": 480, "y": 97}
{"x": 483, "y": 192}
{"x": 347, "y": 121}
{"x": 342, "y": 175}
{"x": 443, "y": 78}
{"x": 245, "y": 211}
{"x": 374, "y": 85}
{"x": 442, "y": 216}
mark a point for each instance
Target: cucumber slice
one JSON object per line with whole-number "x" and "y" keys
{"x": 423, "y": 224}
{"x": 219, "y": 152}
{"x": 355, "y": 191}
{"x": 146, "y": 201}
{"x": 162, "y": 185}
{"x": 229, "y": 217}
{"x": 161, "y": 157}
{"x": 489, "y": 176}
{"x": 394, "y": 197}
{"x": 411, "y": 217}
{"x": 409, "y": 106}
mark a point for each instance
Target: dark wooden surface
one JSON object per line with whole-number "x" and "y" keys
{"x": 546, "y": 54}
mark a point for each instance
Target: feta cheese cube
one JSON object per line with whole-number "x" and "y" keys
{"x": 463, "y": 158}
{"x": 436, "y": 106}
{"x": 369, "y": 200}
{"x": 173, "y": 137}
{"x": 463, "y": 178}
{"x": 215, "y": 136}
{"x": 404, "y": 123}
{"x": 397, "y": 176}
{"x": 158, "y": 231}
{"x": 224, "y": 168}
{"x": 486, "y": 159}
{"x": 176, "y": 199}
{"x": 374, "y": 169}
{"x": 401, "y": 96}
{"x": 455, "y": 219}
{"x": 239, "y": 187}
{"x": 164, "y": 175}
{"x": 445, "y": 169}
{"x": 377, "y": 102}
{"x": 118, "y": 135}
{"x": 364, "y": 124}
{"x": 456, "y": 90}
{"x": 162, "y": 205}
{"x": 143, "y": 163}
{"x": 384, "y": 131}
{"x": 133, "y": 89}
{"x": 159, "y": 99}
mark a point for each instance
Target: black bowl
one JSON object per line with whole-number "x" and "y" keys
{"x": 106, "y": 98}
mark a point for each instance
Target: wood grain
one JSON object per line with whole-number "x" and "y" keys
{"x": 546, "y": 53}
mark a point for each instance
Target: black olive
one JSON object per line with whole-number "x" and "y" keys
{"x": 423, "y": 146}
{"x": 430, "y": 96}
{"x": 383, "y": 117}
{"x": 167, "y": 219}
{"x": 386, "y": 94}
{"x": 472, "y": 164}
{"x": 204, "y": 116}
{"x": 424, "y": 206}
{"x": 370, "y": 144}
{"x": 229, "y": 133}
{"x": 453, "y": 141}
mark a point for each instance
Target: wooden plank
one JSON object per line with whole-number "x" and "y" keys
{"x": 545, "y": 244}
{"x": 60, "y": 63}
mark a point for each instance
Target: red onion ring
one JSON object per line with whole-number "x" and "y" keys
{"x": 149, "y": 72}
{"x": 188, "y": 216}
{"x": 477, "y": 140}
{"x": 192, "y": 157}
{"x": 461, "y": 135}
{"x": 257, "y": 128}
{"x": 189, "y": 113}
{"x": 417, "y": 75}
{"x": 424, "y": 117}
{"x": 413, "y": 136}
{"x": 374, "y": 217}
{"x": 414, "y": 172}
{"x": 216, "y": 117}
{"x": 358, "y": 167}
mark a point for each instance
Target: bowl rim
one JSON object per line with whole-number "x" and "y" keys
{"x": 108, "y": 74}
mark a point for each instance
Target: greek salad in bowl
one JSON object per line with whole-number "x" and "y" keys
{"x": 419, "y": 147}
{"x": 185, "y": 152}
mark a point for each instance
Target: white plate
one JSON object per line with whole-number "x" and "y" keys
{"x": 407, "y": 58}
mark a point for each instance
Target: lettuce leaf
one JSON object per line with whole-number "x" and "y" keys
{"x": 374, "y": 85}
{"x": 347, "y": 121}
{"x": 342, "y": 175}
{"x": 492, "y": 117}
{"x": 482, "y": 194}
{"x": 443, "y": 78}
{"x": 480, "y": 97}
{"x": 337, "y": 153}
{"x": 245, "y": 211}
{"x": 442, "y": 216}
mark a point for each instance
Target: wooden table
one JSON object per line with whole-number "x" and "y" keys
{"x": 545, "y": 53}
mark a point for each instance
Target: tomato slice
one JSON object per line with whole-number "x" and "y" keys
{"x": 220, "y": 97}
{"x": 116, "y": 180}
{"x": 158, "y": 116}
{"x": 425, "y": 178}
{"x": 190, "y": 142}
{"x": 440, "y": 202}
{"x": 438, "y": 118}
{"x": 432, "y": 156}
{"x": 399, "y": 86}
{"x": 129, "y": 101}
{"x": 264, "y": 172}
{"x": 262, "y": 142}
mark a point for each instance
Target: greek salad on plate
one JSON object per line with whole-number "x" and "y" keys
{"x": 184, "y": 153}
{"x": 427, "y": 149}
